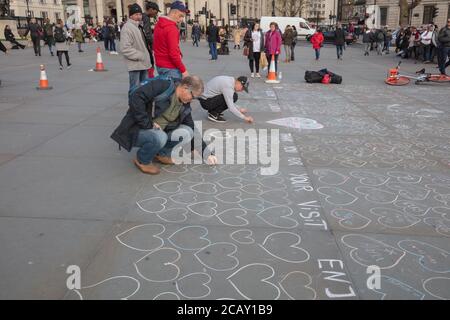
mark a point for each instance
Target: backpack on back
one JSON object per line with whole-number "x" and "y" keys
{"x": 59, "y": 35}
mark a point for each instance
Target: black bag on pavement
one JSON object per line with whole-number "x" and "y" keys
{"x": 313, "y": 77}
{"x": 334, "y": 78}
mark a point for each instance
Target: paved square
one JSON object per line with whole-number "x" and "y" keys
{"x": 364, "y": 180}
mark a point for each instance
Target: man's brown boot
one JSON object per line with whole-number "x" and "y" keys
{"x": 164, "y": 160}
{"x": 147, "y": 168}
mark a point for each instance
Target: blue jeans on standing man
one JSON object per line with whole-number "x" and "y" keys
{"x": 152, "y": 142}
{"x": 339, "y": 50}
{"x": 213, "y": 50}
{"x": 444, "y": 53}
{"x": 317, "y": 53}
{"x": 136, "y": 77}
{"x": 112, "y": 45}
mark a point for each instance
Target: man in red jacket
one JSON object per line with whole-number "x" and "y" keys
{"x": 166, "y": 39}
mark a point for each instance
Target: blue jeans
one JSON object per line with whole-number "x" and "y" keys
{"x": 112, "y": 45}
{"x": 170, "y": 73}
{"x": 317, "y": 53}
{"x": 444, "y": 53}
{"x": 136, "y": 77}
{"x": 154, "y": 141}
{"x": 213, "y": 50}
{"x": 339, "y": 50}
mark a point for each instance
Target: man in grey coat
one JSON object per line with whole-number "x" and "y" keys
{"x": 134, "y": 48}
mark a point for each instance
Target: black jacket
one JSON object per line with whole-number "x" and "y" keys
{"x": 213, "y": 33}
{"x": 148, "y": 32}
{"x": 248, "y": 42}
{"x": 139, "y": 114}
{"x": 9, "y": 36}
{"x": 444, "y": 37}
{"x": 34, "y": 29}
{"x": 339, "y": 37}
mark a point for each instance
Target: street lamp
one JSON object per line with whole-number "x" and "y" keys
{"x": 28, "y": 11}
{"x": 273, "y": 8}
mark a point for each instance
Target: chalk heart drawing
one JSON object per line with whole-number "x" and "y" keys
{"x": 194, "y": 285}
{"x": 233, "y": 217}
{"x": 279, "y": 216}
{"x": 218, "y": 256}
{"x": 192, "y": 178}
{"x": 114, "y": 288}
{"x": 229, "y": 196}
{"x": 168, "y": 187}
{"x": 173, "y": 215}
{"x": 337, "y": 196}
{"x": 330, "y": 177}
{"x": 203, "y": 208}
{"x": 439, "y": 224}
{"x": 393, "y": 218}
{"x": 350, "y": 219}
{"x": 444, "y": 198}
{"x": 254, "y": 189}
{"x": 276, "y": 197}
{"x": 159, "y": 265}
{"x": 233, "y": 169}
{"x": 438, "y": 188}
{"x": 405, "y": 177}
{"x": 152, "y": 205}
{"x": 430, "y": 257}
{"x": 369, "y": 178}
{"x": 253, "y": 204}
{"x": 167, "y": 296}
{"x": 394, "y": 289}
{"x": 297, "y": 123}
{"x": 243, "y": 236}
{"x": 273, "y": 183}
{"x": 284, "y": 246}
{"x": 411, "y": 207}
{"x": 409, "y": 191}
{"x": 205, "y": 188}
{"x": 184, "y": 197}
{"x": 376, "y": 195}
{"x": 144, "y": 237}
{"x": 251, "y": 282}
{"x": 438, "y": 287}
{"x": 296, "y": 285}
{"x": 249, "y": 176}
{"x": 175, "y": 169}
{"x": 190, "y": 238}
{"x": 367, "y": 251}
{"x": 230, "y": 183}
{"x": 443, "y": 211}
{"x": 204, "y": 169}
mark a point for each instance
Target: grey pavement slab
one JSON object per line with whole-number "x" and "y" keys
{"x": 363, "y": 179}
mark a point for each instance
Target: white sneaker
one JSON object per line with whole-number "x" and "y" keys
{"x": 252, "y": 75}
{"x": 258, "y": 75}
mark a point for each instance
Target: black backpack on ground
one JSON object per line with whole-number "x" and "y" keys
{"x": 313, "y": 77}
{"x": 59, "y": 35}
{"x": 334, "y": 78}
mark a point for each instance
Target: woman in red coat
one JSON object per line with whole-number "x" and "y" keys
{"x": 272, "y": 43}
{"x": 317, "y": 41}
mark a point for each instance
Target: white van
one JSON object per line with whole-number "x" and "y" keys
{"x": 303, "y": 29}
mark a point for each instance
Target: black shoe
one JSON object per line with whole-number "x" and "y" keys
{"x": 215, "y": 118}
{"x": 52, "y": 54}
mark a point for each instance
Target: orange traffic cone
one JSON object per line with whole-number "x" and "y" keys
{"x": 272, "y": 76}
{"x": 43, "y": 81}
{"x": 99, "y": 64}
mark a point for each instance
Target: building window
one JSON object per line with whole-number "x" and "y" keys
{"x": 12, "y": 13}
{"x": 427, "y": 14}
{"x": 383, "y": 16}
{"x": 55, "y": 1}
{"x": 57, "y": 16}
{"x": 44, "y": 14}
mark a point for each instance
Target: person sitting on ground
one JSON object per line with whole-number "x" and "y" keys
{"x": 9, "y": 36}
{"x": 221, "y": 94}
{"x": 159, "y": 110}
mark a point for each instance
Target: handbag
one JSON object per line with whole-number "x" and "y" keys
{"x": 263, "y": 62}
{"x": 246, "y": 51}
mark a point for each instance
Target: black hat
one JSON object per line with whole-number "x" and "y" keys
{"x": 152, "y": 5}
{"x": 244, "y": 81}
{"x": 134, "y": 8}
{"x": 178, "y": 5}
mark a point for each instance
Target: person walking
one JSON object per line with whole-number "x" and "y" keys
{"x": 221, "y": 94}
{"x": 212, "y": 32}
{"x": 196, "y": 34}
{"x": 133, "y": 47}
{"x": 339, "y": 40}
{"x": 294, "y": 42}
{"x": 157, "y": 133}
{"x": 151, "y": 13}
{"x": 367, "y": 35}
{"x": 426, "y": 38}
{"x": 36, "y": 34}
{"x": 254, "y": 41}
{"x": 237, "y": 38}
{"x": 61, "y": 45}
{"x": 48, "y": 35}
{"x": 317, "y": 42}
{"x": 288, "y": 38}
{"x": 79, "y": 37}
{"x": 112, "y": 37}
{"x": 379, "y": 36}
{"x": 444, "y": 43}
{"x": 272, "y": 44}
{"x": 166, "y": 44}
{"x": 183, "y": 31}
{"x": 9, "y": 36}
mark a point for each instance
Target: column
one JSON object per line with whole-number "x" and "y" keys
{"x": 119, "y": 11}
{"x": 99, "y": 4}
{"x": 81, "y": 6}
